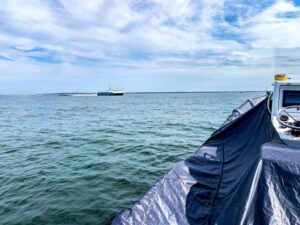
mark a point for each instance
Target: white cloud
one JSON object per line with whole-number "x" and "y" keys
{"x": 115, "y": 27}
{"x": 146, "y": 34}
{"x": 269, "y": 30}
{"x": 83, "y": 10}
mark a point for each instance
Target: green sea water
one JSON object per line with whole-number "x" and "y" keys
{"x": 82, "y": 159}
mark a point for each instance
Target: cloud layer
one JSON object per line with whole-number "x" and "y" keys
{"x": 169, "y": 36}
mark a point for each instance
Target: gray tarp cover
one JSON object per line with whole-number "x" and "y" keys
{"x": 243, "y": 174}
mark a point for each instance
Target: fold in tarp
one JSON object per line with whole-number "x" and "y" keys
{"x": 272, "y": 195}
{"x": 232, "y": 179}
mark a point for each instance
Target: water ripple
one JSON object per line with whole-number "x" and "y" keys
{"x": 80, "y": 160}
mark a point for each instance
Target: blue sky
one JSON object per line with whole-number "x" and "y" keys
{"x": 144, "y": 45}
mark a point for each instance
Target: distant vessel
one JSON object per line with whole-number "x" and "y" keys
{"x": 110, "y": 92}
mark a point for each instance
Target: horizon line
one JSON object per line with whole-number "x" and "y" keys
{"x": 134, "y": 92}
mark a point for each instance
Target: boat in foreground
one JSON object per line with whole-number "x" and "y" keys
{"x": 247, "y": 172}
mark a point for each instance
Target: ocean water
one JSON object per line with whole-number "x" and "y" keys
{"x": 82, "y": 159}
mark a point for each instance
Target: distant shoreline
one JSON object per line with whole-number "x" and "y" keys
{"x": 146, "y": 92}
{"x": 186, "y": 92}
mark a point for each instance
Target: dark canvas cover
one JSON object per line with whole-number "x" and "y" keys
{"x": 243, "y": 174}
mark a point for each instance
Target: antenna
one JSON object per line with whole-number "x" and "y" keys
{"x": 274, "y": 61}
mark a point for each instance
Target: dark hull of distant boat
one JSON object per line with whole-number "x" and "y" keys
{"x": 110, "y": 94}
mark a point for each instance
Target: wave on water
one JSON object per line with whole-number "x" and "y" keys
{"x": 76, "y": 94}
{"x": 83, "y": 160}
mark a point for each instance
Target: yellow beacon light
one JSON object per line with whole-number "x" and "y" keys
{"x": 281, "y": 77}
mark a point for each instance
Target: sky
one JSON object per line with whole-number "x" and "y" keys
{"x": 146, "y": 45}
